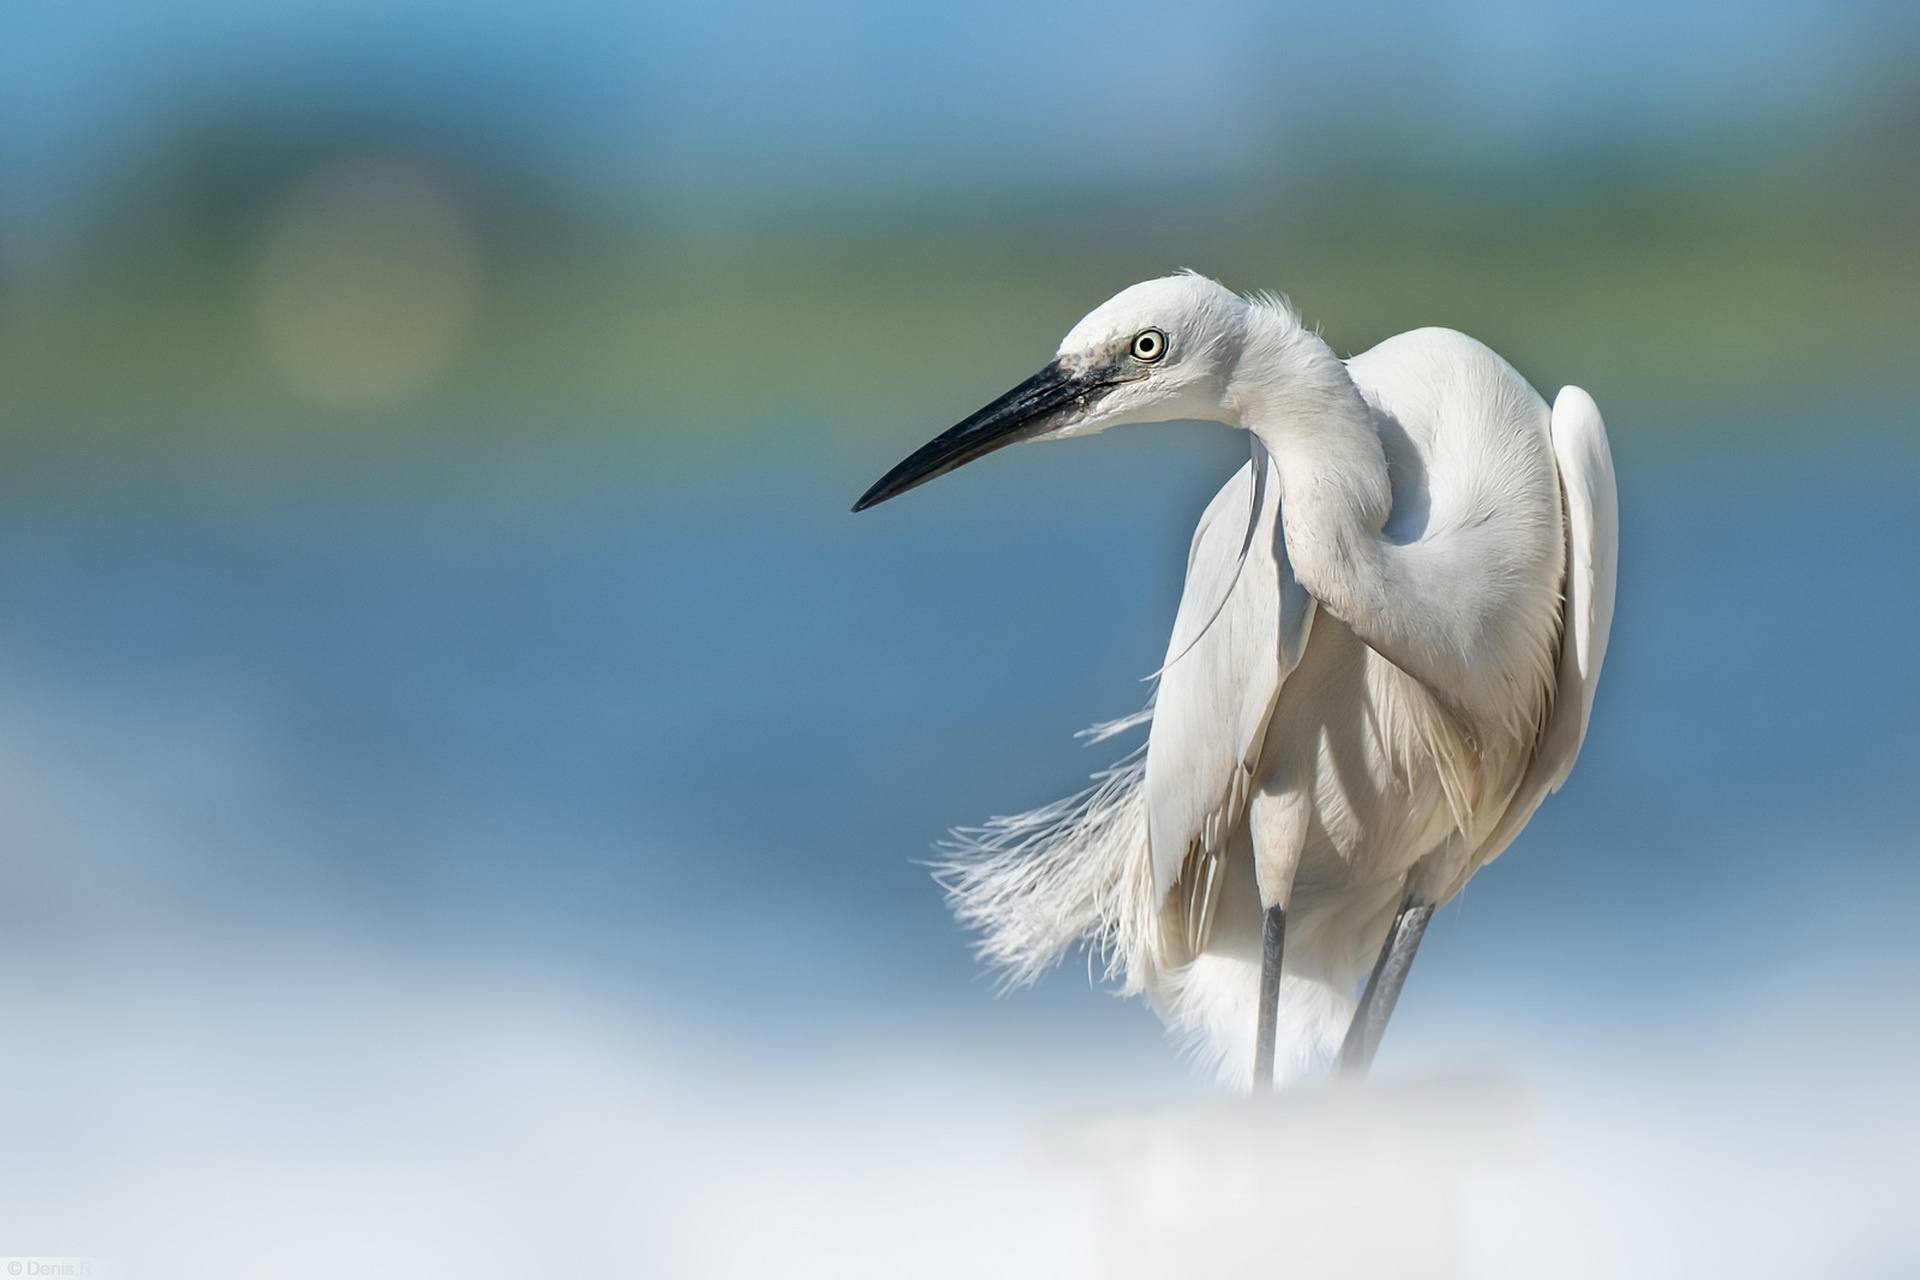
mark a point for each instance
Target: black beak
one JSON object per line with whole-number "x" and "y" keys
{"x": 1028, "y": 410}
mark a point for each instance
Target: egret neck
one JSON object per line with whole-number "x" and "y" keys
{"x": 1294, "y": 395}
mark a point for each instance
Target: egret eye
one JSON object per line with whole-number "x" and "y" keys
{"x": 1148, "y": 345}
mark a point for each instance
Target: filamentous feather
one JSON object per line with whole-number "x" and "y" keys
{"x": 1035, "y": 884}
{"x": 1077, "y": 872}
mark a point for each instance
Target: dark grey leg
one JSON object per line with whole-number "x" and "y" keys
{"x": 1383, "y": 990}
{"x": 1272, "y": 943}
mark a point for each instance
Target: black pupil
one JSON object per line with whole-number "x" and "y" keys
{"x": 1147, "y": 343}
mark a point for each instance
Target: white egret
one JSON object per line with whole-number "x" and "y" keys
{"x": 1384, "y": 658}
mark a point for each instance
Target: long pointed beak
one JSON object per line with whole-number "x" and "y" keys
{"x": 1030, "y": 409}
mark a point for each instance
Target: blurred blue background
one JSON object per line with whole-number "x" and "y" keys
{"x": 464, "y": 778}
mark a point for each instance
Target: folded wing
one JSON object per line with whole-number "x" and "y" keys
{"x": 1241, "y": 628}
{"x": 1593, "y": 550}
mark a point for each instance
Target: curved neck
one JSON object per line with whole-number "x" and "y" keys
{"x": 1336, "y": 494}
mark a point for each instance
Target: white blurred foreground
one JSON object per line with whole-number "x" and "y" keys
{"x": 290, "y": 1119}
{"x": 1335, "y": 1181}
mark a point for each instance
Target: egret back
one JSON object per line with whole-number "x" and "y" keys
{"x": 1477, "y": 534}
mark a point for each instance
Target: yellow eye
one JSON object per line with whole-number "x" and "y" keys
{"x": 1148, "y": 345}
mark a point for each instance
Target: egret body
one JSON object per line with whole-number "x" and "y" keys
{"x": 1383, "y": 660}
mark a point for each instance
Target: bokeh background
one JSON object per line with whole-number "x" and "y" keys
{"x": 464, "y": 777}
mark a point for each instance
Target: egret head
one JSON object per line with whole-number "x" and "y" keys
{"x": 1156, "y": 351}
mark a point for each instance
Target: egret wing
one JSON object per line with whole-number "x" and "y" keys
{"x": 1241, "y": 627}
{"x": 1592, "y": 514}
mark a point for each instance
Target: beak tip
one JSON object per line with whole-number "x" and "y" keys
{"x": 1020, "y": 414}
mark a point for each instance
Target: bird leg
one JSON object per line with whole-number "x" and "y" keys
{"x": 1383, "y": 989}
{"x": 1272, "y": 942}
{"x": 1277, "y": 822}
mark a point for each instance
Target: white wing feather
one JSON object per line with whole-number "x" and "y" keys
{"x": 1241, "y": 628}
{"x": 1593, "y": 552}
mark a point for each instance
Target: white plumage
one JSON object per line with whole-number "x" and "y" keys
{"x": 1384, "y": 658}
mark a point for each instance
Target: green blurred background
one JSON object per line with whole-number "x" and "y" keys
{"x": 362, "y": 231}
